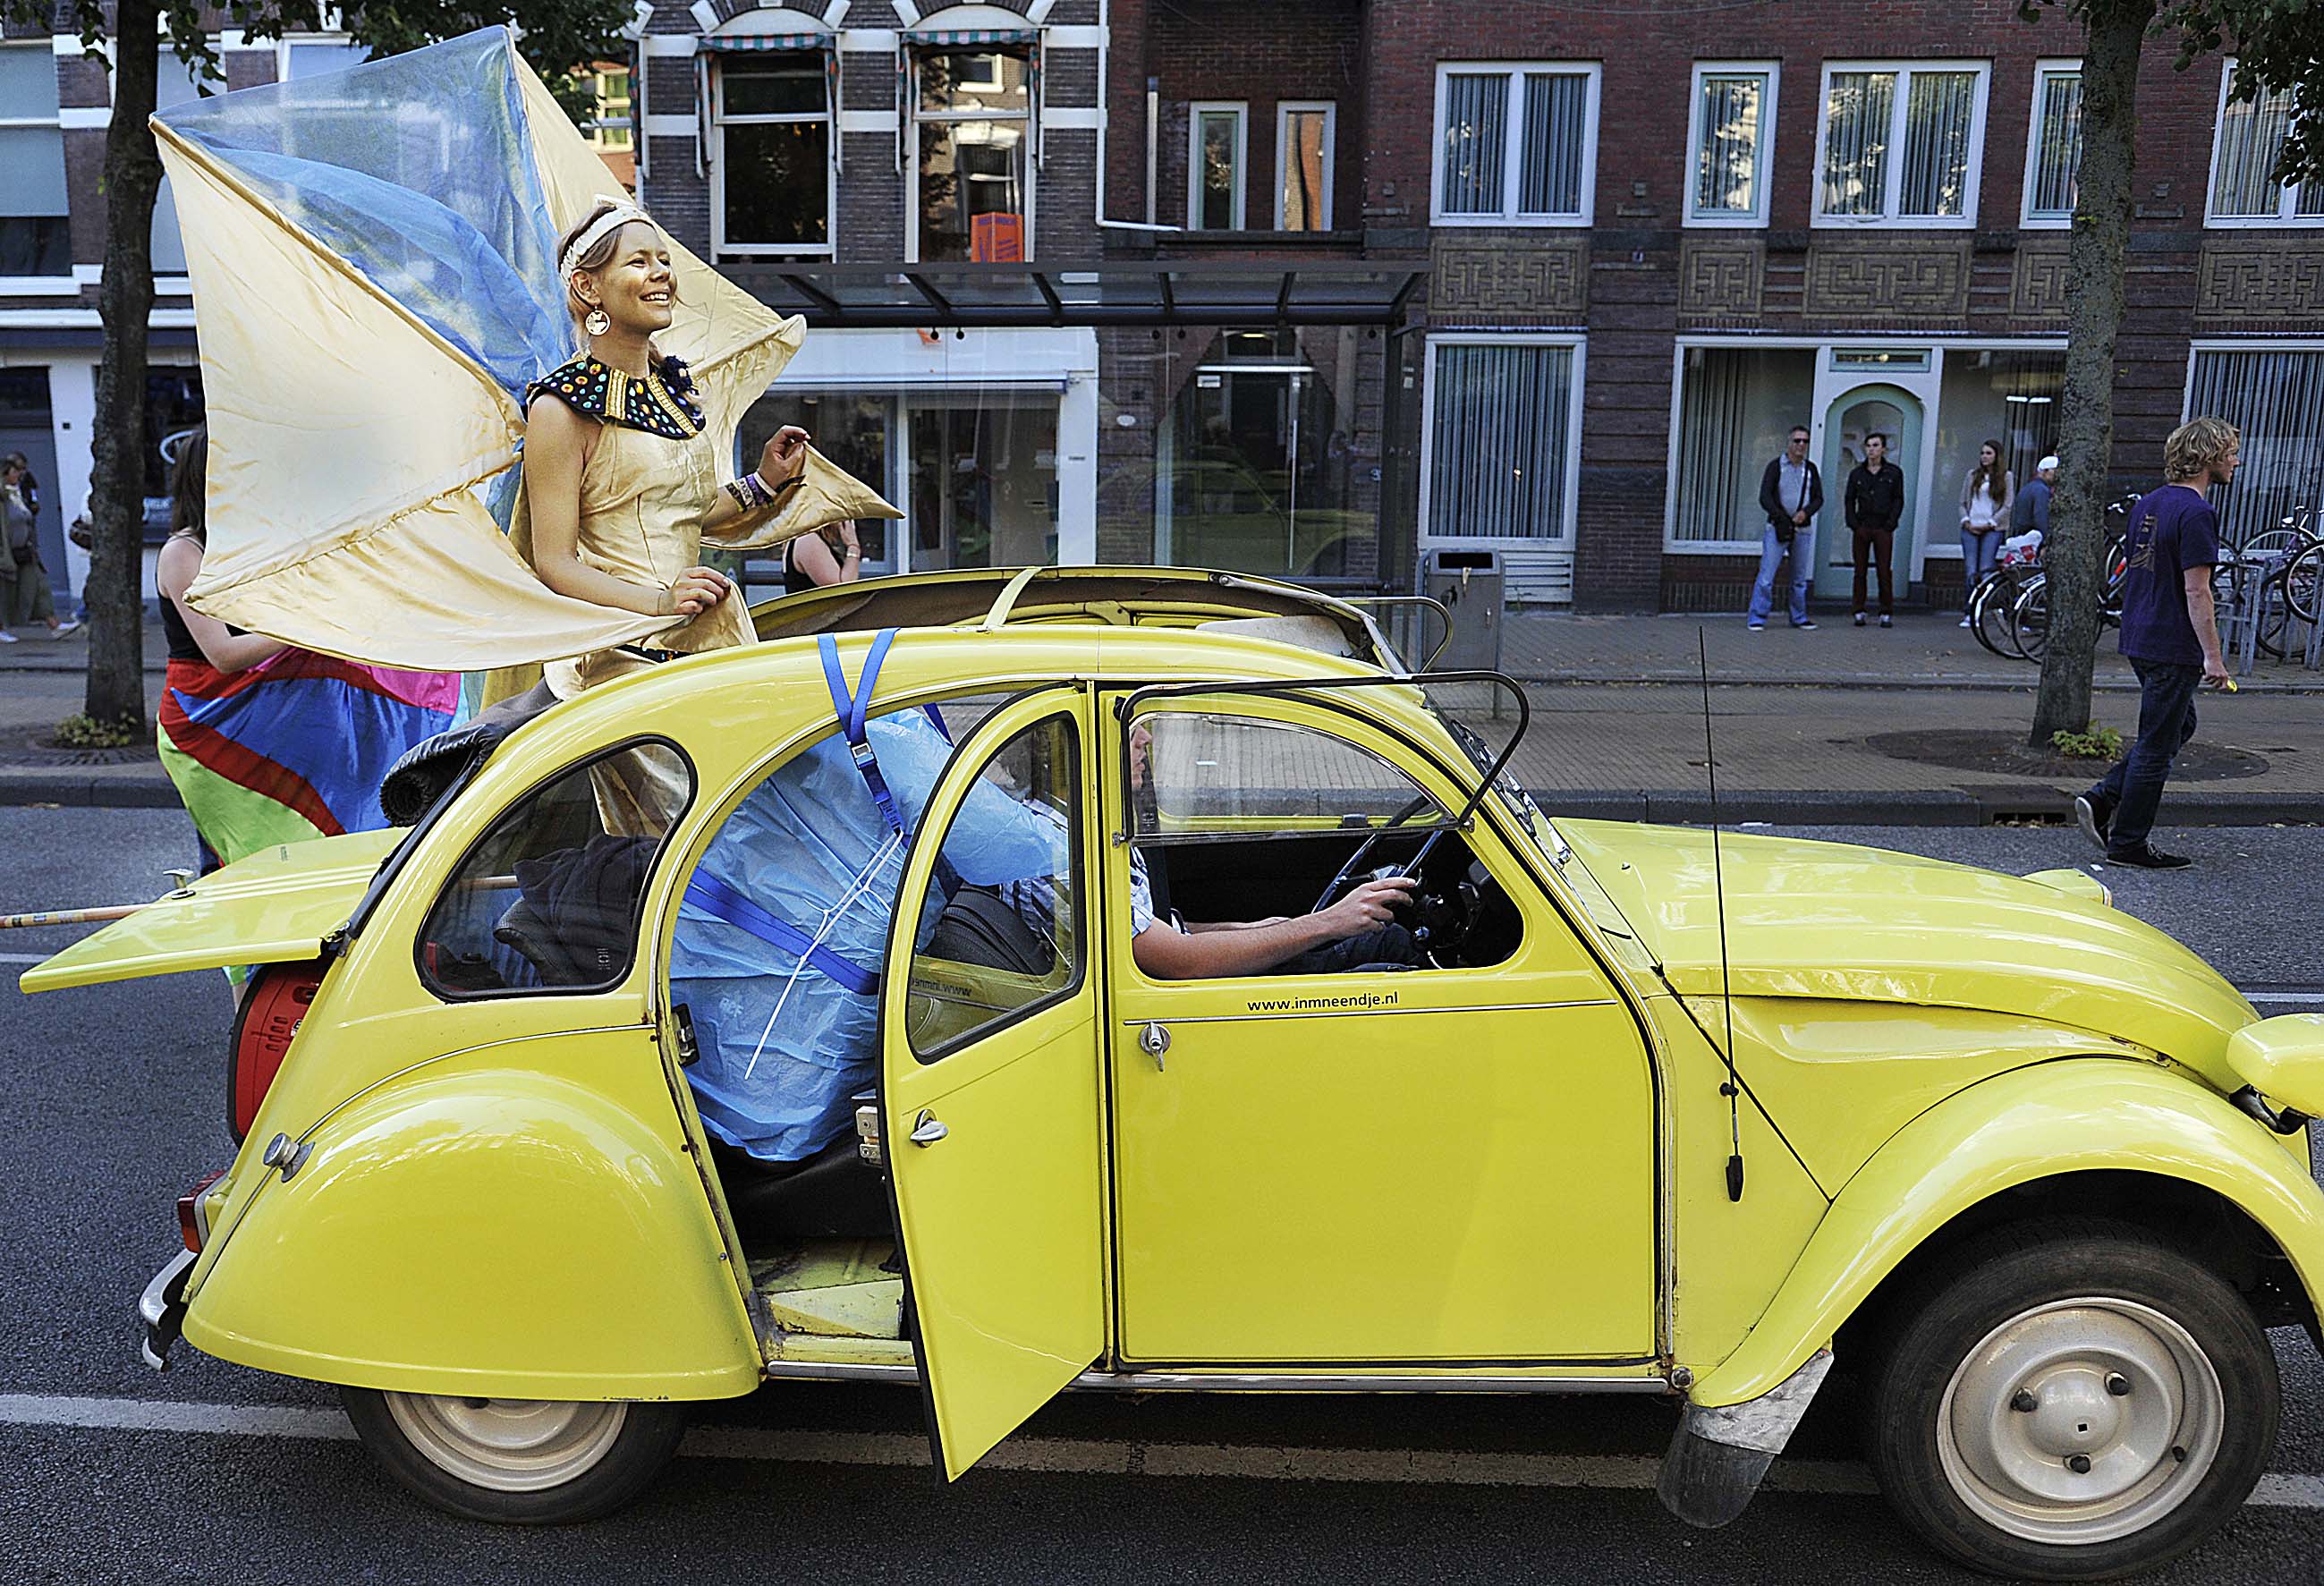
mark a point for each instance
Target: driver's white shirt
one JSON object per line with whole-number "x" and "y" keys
{"x": 1035, "y": 898}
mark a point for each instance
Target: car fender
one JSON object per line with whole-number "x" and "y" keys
{"x": 492, "y": 1230}
{"x": 2052, "y": 1119}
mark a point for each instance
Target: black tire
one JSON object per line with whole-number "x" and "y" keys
{"x": 396, "y": 1429}
{"x": 1946, "y": 1327}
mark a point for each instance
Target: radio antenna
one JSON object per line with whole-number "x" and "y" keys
{"x": 1732, "y": 1090}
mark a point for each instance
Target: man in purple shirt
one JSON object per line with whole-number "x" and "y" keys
{"x": 2171, "y": 634}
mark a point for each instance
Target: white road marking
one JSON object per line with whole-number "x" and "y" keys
{"x": 2291, "y": 999}
{"x": 1076, "y": 1456}
{"x": 26, "y": 957}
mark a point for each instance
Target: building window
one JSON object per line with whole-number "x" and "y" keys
{"x": 1900, "y": 144}
{"x": 2275, "y": 396}
{"x": 1501, "y": 426}
{"x": 1732, "y": 138}
{"x": 611, "y": 128}
{"x": 973, "y": 178}
{"x": 2053, "y": 153}
{"x": 1735, "y": 407}
{"x": 1516, "y": 145}
{"x": 1303, "y": 134}
{"x": 306, "y": 57}
{"x": 1218, "y": 138}
{"x": 2249, "y": 140}
{"x": 34, "y": 236}
{"x": 2004, "y": 394}
{"x": 772, "y": 174}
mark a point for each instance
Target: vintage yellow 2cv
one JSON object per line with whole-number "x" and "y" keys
{"x": 1588, "y": 1108}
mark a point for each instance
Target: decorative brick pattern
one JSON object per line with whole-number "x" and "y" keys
{"x": 1720, "y": 276}
{"x": 1496, "y": 279}
{"x": 2250, "y": 279}
{"x": 1913, "y": 278}
{"x": 2037, "y": 284}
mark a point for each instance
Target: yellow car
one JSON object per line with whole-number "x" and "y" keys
{"x": 1623, "y": 1111}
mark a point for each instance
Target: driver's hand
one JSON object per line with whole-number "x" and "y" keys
{"x": 1369, "y": 906}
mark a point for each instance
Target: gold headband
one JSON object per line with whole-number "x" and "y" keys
{"x": 620, "y": 215}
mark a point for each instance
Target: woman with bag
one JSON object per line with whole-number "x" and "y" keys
{"x": 25, "y": 598}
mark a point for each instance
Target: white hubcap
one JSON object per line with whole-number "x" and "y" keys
{"x": 2081, "y": 1421}
{"x": 509, "y": 1445}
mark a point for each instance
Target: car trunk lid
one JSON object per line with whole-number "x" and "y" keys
{"x": 275, "y": 906}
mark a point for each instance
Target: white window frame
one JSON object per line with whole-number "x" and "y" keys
{"x": 600, "y": 124}
{"x": 1512, "y": 151}
{"x": 2026, "y": 219}
{"x": 1762, "y": 156}
{"x": 42, "y": 286}
{"x": 721, "y": 247}
{"x": 1576, "y": 340}
{"x": 914, "y": 118}
{"x": 2287, "y": 195}
{"x": 1240, "y": 110}
{"x": 1974, "y": 183}
{"x": 283, "y": 45}
{"x": 1284, "y": 109}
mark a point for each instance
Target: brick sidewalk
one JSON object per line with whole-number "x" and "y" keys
{"x": 1923, "y": 650}
{"x": 1618, "y": 724}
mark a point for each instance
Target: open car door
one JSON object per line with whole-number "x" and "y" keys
{"x": 989, "y": 1084}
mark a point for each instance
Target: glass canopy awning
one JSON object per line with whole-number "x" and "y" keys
{"x": 1130, "y": 293}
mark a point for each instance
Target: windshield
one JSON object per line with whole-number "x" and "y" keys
{"x": 1469, "y": 711}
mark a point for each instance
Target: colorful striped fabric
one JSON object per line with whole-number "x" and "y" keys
{"x": 293, "y": 748}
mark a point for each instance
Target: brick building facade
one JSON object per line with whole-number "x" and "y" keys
{"x": 1655, "y": 237}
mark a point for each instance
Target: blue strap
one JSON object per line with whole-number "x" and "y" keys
{"x": 850, "y": 706}
{"x": 713, "y": 895}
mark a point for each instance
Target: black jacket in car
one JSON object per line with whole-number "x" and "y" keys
{"x": 1771, "y": 496}
{"x": 1876, "y": 500}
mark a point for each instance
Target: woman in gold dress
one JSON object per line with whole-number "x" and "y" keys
{"x": 620, "y": 488}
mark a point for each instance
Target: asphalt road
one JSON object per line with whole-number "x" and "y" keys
{"x": 116, "y": 1108}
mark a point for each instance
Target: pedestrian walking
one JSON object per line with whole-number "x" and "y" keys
{"x": 1986, "y": 503}
{"x": 24, "y": 594}
{"x": 1791, "y": 493}
{"x": 2171, "y": 634}
{"x": 1874, "y": 503}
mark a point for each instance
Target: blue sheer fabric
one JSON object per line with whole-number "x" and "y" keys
{"x": 805, "y": 844}
{"x": 418, "y": 171}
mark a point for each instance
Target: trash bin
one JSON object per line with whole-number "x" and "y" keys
{"x": 1471, "y": 586}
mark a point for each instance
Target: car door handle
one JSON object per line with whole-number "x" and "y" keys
{"x": 928, "y": 1128}
{"x": 1154, "y": 1040}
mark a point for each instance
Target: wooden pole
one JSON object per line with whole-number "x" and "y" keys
{"x": 65, "y": 916}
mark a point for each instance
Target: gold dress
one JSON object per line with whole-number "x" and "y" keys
{"x": 648, "y": 482}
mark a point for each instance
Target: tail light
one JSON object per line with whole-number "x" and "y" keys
{"x": 193, "y": 1227}
{"x": 277, "y": 1000}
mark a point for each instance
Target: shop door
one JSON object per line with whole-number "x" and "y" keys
{"x": 1895, "y": 413}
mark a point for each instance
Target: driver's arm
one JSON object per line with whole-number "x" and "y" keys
{"x": 1166, "y": 952}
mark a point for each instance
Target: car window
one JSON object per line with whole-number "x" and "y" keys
{"x": 1207, "y": 774}
{"x": 547, "y": 900}
{"x": 1001, "y": 933}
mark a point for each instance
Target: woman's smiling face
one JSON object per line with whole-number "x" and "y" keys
{"x": 635, "y": 286}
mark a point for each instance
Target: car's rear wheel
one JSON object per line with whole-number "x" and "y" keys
{"x": 2073, "y": 1401}
{"x": 516, "y": 1462}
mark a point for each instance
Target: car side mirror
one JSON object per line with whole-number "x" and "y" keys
{"x": 2282, "y": 1058}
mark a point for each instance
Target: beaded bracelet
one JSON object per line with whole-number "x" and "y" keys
{"x": 754, "y": 494}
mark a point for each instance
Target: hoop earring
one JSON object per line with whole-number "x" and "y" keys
{"x": 597, "y": 322}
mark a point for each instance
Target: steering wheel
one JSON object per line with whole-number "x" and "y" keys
{"x": 1332, "y": 887}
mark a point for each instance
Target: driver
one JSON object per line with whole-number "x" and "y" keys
{"x": 1359, "y": 929}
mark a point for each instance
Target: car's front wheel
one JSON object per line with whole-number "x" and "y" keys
{"x": 2071, "y": 1401}
{"x": 516, "y": 1462}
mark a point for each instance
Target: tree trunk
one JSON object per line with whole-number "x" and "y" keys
{"x": 2094, "y": 269}
{"x": 133, "y": 177}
